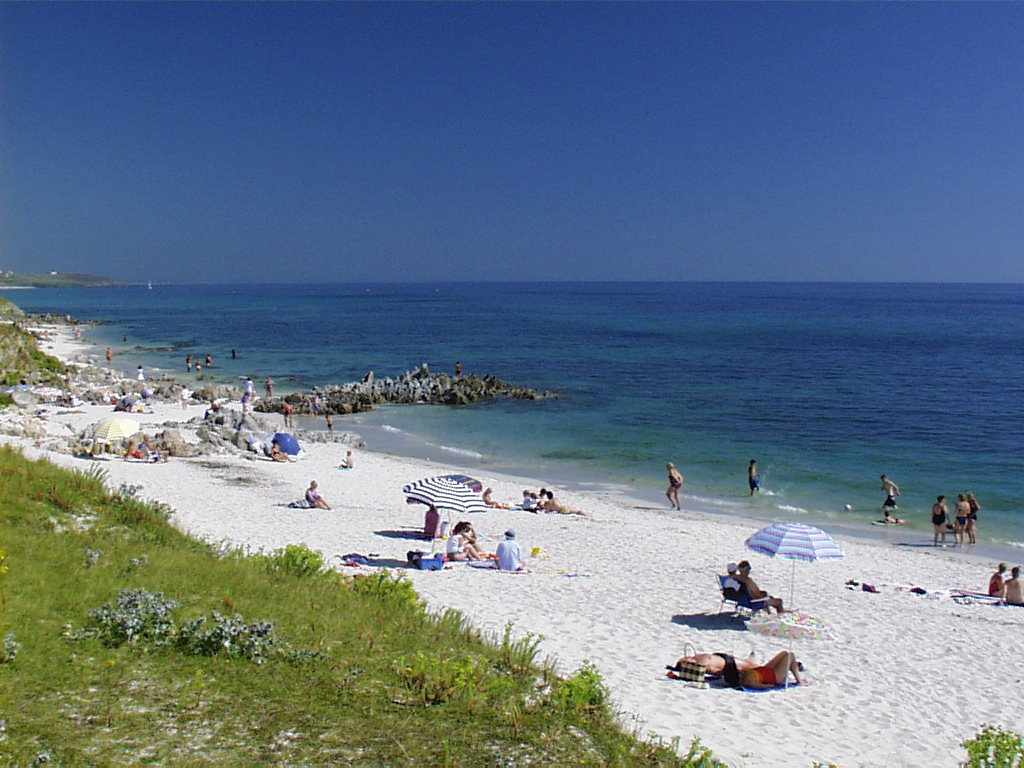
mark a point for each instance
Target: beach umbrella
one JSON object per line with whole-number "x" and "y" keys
{"x": 795, "y": 541}
{"x": 287, "y": 443}
{"x": 470, "y": 482}
{"x": 445, "y": 493}
{"x": 115, "y": 429}
{"x": 793, "y": 626}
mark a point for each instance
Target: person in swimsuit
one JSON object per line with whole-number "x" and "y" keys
{"x": 753, "y": 478}
{"x": 675, "y": 482}
{"x": 772, "y": 674}
{"x": 972, "y": 519}
{"x": 742, "y": 575}
{"x": 1013, "y": 589}
{"x": 891, "y": 491}
{"x": 995, "y": 582}
{"x": 110, "y": 355}
{"x": 940, "y": 516}
{"x": 962, "y": 513}
{"x": 314, "y": 498}
{"x": 719, "y": 663}
{"x": 276, "y": 454}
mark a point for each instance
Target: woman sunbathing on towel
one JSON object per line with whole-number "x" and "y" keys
{"x": 314, "y": 498}
{"x": 551, "y": 504}
{"x": 491, "y": 502}
{"x": 772, "y": 674}
{"x": 718, "y": 663}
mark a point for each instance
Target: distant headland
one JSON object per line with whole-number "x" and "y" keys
{"x": 53, "y": 279}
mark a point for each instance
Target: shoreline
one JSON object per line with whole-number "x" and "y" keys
{"x": 627, "y": 589}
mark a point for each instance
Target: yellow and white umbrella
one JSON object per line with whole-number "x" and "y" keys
{"x": 115, "y": 429}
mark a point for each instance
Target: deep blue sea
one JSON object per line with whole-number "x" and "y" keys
{"x": 826, "y": 385}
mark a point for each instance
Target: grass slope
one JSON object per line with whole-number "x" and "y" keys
{"x": 391, "y": 684}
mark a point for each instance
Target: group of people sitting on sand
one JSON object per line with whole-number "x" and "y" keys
{"x": 1009, "y": 590}
{"x": 144, "y": 450}
{"x": 463, "y": 545}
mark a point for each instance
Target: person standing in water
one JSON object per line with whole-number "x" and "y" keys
{"x": 188, "y": 363}
{"x": 753, "y": 478}
{"x": 675, "y": 482}
{"x": 972, "y": 519}
{"x": 891, "y": 491}
{"x": 110, "y": 355}
{"x": 940, "y": 516}
{"x": 961, "y": 516}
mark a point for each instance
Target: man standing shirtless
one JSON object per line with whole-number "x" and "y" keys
{"x": 891, "y": 491}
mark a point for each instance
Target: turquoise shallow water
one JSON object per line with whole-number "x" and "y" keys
{"x": 826, "y": 385}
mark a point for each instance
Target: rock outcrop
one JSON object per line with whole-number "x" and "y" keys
{"x": 412, "y": 387}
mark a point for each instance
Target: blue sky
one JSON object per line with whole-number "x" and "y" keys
{"x": 376, "y": 142}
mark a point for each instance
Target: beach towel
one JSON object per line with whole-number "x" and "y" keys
{"x": 782, "y": 687}
{"x": 301, "y": 504}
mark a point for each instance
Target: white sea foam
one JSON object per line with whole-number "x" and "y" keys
{"x": 791, "y": 508}
{"x": 1017, "y": 544}
{"x": 458, "y": 451}
{"x": 389, "y": 428}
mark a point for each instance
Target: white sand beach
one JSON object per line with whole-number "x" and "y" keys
{"x": 907, "y": 678}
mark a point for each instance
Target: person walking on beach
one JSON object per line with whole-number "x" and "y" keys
{"x": 940, "y": 516}
{"x": 753, "y": 478}
{"x": 250, "y": 390}
{"x": 962, "y": 513}
{"x": 289, "y": 412}
{"x": 675, "y": 482}
{"x": 188, "y": 363}
{"x": 142, "y": 375}
{"x": 270, "y": 387}
{"x": 972, "y": 519}
{"x": 330, "y": 423}
{"x": 891, "y": 491}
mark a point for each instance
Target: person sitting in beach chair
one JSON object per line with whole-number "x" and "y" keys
{"x": 734, "y": 592}
{"x": 754, "y": 591}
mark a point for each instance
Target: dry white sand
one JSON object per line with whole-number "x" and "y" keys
{"x": 907, "y": 679}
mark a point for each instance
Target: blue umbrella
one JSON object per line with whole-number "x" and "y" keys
{"x": 287, "y": 443}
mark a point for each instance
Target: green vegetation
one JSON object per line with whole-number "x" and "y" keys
{"x": 59, "y": 280}
{"x": 20, "y": 357}
{"x": 124, "y": 642}
{"x": 995, "y": 748}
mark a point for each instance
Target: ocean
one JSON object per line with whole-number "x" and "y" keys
{"x": 826, "y": 385}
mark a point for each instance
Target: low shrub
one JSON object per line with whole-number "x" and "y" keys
{"x": 388, "y": 589}
{"x": 994, "y": 747}
{"x": 581, "y": 693}
{"x": 434, "y": 679}
{"x": 296, "y": 560}
{"x": 138, "y": 615}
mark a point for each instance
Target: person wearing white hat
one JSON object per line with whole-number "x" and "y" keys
{"x": 510, "y": 554}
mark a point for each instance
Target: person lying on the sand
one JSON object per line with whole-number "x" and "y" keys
{"x": 551, "y": 504}
{"x": 742, "y": 575}
{"x": 314, "y": 498}
{"x": 276, "y": 454}
{"x": 772, "y": 674}
{"x": 719, "y": 663}
{"x": 491, "y": 502}
{"x": 462, "y": 544}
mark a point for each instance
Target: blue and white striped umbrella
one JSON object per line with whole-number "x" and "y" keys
{"x": 445, "y": 493}
{"x": 795, "y": 541}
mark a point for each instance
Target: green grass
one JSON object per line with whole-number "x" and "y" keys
{"x": 390, "y": 685}
{"x": 20, "y": 355}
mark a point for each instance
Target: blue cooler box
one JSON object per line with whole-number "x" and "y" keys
{"x": 432, "y": 563}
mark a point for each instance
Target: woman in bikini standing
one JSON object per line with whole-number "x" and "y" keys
{"x": 962, "y": 515}
{"x": 675, "y": 482}
{"x": 972, "y": 518}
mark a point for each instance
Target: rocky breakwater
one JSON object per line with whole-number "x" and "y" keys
{"x": 419, "y": 387}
